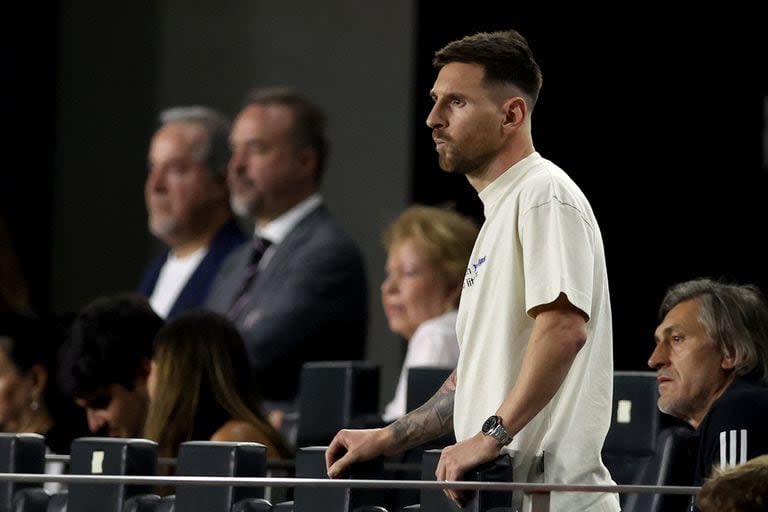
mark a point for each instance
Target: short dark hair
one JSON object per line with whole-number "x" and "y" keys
{"x": 505, "y": 56}
{"x": 109, "y": 341}
{"x": 309, "y": 129}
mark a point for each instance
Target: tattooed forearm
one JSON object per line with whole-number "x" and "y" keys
{"x": 430, "y": 421}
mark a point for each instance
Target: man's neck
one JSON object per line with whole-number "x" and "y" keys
{"x": 483, "y": 177}
{"x": 188, "y": 246}
{"x": 696, "y": 422}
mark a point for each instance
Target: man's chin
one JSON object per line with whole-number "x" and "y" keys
{"x": 162, "y": 230}
{"x": 241, "y": 207}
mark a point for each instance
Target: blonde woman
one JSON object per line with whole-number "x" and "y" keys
{"x": 427, "y": 253}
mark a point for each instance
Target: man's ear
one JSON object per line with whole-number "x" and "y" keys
{"x": 728, "y": 361}
{"x": 308, "y": 160}
{"x": 515, "y": 112}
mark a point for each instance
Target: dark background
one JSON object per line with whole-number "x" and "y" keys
{"x": 659, "y": 119}
{"x": 658, "y": 116}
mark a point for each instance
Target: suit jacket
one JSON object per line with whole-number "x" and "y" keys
{"x": 193, "y": 294}
{"x": 308, "y": 303}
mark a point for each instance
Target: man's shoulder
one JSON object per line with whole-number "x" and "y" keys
{"x": 320, "y": 231}
{"x": 743, "y": 404}
{"x": 547, "y": 183}
{"x": 236, "y": 258}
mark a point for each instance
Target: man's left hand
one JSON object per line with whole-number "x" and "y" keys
{"x": 459, "y": 458}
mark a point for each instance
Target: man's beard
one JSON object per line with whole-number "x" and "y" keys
{"x": 161, "y": 227}
{"x": 459, "y": 164}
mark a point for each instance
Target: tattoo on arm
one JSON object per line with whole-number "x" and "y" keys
{"x": 430, "y": 421}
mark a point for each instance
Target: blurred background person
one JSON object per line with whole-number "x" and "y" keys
{"x": 298, "y": 291}
{"x": 742, "y": 488}
{"x": 105, "y": 362}
{"x": 187, "y": 201}
{"x": 30, "y": 401}
{"x": 428, "y": 249}
{"x": 201, "y": 388}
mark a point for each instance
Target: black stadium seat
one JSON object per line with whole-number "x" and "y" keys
{"x": 645, "y": 446}
{"x": 223, "y": 459}
{"x": 19, "y": 453}
{"x": 32, "y": 499}
{"x": 335, "y": 395}
{"x": 635, "y": 425}
{"x": 109, "y": 456}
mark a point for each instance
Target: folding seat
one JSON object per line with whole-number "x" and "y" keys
{"x": 31, "y": 499}
{"x": 166, "y": 504}
{"x": 19, "y": 453}
{"x": 141, "y": 503}
{"x": 58, "y": 502}
{"x": 497, "y": 470}
{"x": 423, "y": 383}
{"x": 645, "y": 446}
{"x": 108, "y": 456}
{"x": 310, "y": 463}
{"x": 335, "y": 395}
{"x": 222, "y": 459}
{"x": 635, "y": 425}
{"x": 252, "y": 505}
{"x": 671, "y": 464}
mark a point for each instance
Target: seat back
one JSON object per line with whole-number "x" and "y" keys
{"x": 335, "y": 395}
{"x": 166, "y": 504}
{"x": 423, "y": 382}
{"x": 109, "y": 456}
{"x": 635, "y": 425}
{"x": 58, "y": 502}
{"x": 497, "y": 470}
{"x": 671, "y": 464}
{"x": 252, "y": 505}
{"x": 141, "y": 503}
{"x": 217, "y": 458}
{"x": 31, "y": 499}
{"x": 310, "y": 463}
{"x": 19, "y": 453}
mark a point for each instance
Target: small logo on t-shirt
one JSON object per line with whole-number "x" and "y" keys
{"x": 473, "y": 272}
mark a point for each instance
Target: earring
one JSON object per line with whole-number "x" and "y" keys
{"x": 34, "y": 404}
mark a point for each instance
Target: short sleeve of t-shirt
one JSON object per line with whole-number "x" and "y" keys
{"x": 558, "y": 254}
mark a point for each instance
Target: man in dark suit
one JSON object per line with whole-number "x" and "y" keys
{"x": 188, "y": 206}
{"x": 298, "y": 293}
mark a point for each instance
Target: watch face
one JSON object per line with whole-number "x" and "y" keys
{"x": 490, "y": 424}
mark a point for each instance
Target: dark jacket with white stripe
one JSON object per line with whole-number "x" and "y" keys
{"x": 736, "y": 428}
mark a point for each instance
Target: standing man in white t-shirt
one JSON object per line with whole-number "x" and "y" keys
{"x": 188, "y": 207}
{"x": 535, "y": 370}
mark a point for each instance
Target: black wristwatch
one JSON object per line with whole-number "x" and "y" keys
{"x": 493, "y": 427}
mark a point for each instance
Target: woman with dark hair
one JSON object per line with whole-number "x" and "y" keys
{"x": 30, "y": 402}
{"x": 201, "y": 388}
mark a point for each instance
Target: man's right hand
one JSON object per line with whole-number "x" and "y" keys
{"x": 351, "y": 446}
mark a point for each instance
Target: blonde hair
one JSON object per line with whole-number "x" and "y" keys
{"x": 446, "y": 237}
{"x": 743, "y": 488}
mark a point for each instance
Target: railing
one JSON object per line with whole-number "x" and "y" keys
{"x": 539, "y": 493}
